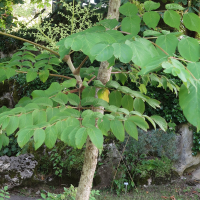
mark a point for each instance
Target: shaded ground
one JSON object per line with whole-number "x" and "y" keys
{"x": 181, "y": 189}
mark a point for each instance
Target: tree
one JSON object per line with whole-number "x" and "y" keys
{"x": 6, "y": 16}
{"x": 76, "y": 115}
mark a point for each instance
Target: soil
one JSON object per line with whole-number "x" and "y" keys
{"x": 184, "y": 185}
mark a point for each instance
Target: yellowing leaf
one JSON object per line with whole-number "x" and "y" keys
{"x": 103, "y": 94}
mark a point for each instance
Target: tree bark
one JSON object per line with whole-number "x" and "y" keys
{"x": 91, "y": 152}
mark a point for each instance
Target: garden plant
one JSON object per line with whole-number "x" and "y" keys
{"x": 85, "y": 107}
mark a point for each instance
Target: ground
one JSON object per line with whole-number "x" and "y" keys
{"x": 180, "y": 189}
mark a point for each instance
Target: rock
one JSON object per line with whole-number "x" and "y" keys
{"x": 16, "y": 171}
{"x": 184, "y": 145}
{"x": 38, "y": 192}
{"x": 105, "y": 173}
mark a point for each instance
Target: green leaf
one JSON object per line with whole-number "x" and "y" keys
{"x": 168, "y": 43}
{"x": 38, "y": 93}
{"x": 63, "y": 51}
{"x": 173, "y": 6}
{"x": 27, "y": 64}
{"x": 131, "y": 129}
{"x": 143, "y": 51}
{"x": 42, "y": 56}
{"x": 115, "y": 98}
{"x": 81, "y": 137}
{"x": 172, "y": 18}
{"x": 88, "y": 121}
{"x": 139, "y": 105}
{"x": 51, "y": 136}
{"x": 102, "y": 52}
{"x": 123, "y": 110}
{"x": 25, "y": 120}
{"x": 88, "y": 92}
{"x": 151, "y": 19}
{"x": 127, "y": 102}
{"x": 154, "y": 64}
{"x": 51, "y": 112}
{"x": 40, "y": 64}
{"x": 131, "y": 24}
{"x": 60, "y": 126}
{"x": 153, "y": 103}
{"x": 150, "y": 5}
{"x": 109, "y": 23}
{"x": 13, "y": 125}
{"x": 139, "y": 121}
{"x": 28, "y": 57}
{"x": 39, "y": 116}
{"x": 70, "y": 130}
{"x": 74, "y": 42}
{"x": 96, "y": 137}
{"x": 23, "y": 136}
{"x": 123, "y": 52}
{"x": 152, "y": 33}
{"x": 189, "y": 49}
{"x": 88, "y": 101}
{"x": 44, "y": 74}
{"x": 73, "y": 99}
{"x": 61, "y": 98}
{"x": 69, "y": 83}
{"x": 189, "y": 98}
{"x": 54, "y": 61}
{"x": 192, "y": 22}
{"x": 31, "y": 48}
{"x": 43, "y": 101}
{"x": 98, "y": 83}
{"x": 128, "y": 9}
{"x": 104, "y": 125}
{"x": 113, "y": 84}
{"x": 39, "y": 138}
{"x": 10, "y": 72}
{"x": 31, "y": 75}
{"x": 4, "y": 140}
{"x": 160, "y": 121}
{"x": 151, "y": 120}
{"x": 54, "y": 88}
{"x": 117, "y": 129}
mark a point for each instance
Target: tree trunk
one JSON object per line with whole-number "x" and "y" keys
{"x": 91, "y": 152}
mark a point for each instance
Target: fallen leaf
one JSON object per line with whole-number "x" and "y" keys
{"x": 164, "y": 197}
{"x": 147, "y": 192}
{"x": 172, "y": 198}
{"x": 194, "y": 192}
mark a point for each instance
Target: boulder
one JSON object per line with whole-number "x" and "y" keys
{"x": 17, "y": 171}
{"x": 186, "y": 162}
{"x": 106, "y": 172}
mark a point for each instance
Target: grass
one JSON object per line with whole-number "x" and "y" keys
{"x": 170, "y": 192}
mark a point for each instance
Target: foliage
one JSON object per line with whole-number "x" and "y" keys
{"x": 68, "y": 113}
{"x": 4, "y": 194}
{"x": 12, "y": 149}
{"x": 160, "y": 167}
{"x": 154, "y": 143}
{"x": 62, "y": 23}
{"x": 152, "y": 154}
{"x": 196, "y": 141}
{"x": 69, "y": 194}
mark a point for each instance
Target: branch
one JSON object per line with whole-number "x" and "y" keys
{"x": 77, "y": 70}
{"x": 58, "y": 75}
{"x": 18, "y": 38}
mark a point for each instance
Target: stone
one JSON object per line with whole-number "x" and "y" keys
{"x": 106, "y": 172}
{"x": 16, "y": 171}
{"x": 186, "y": 161}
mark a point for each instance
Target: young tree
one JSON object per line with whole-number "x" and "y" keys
{"x": 59, "y": 113}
